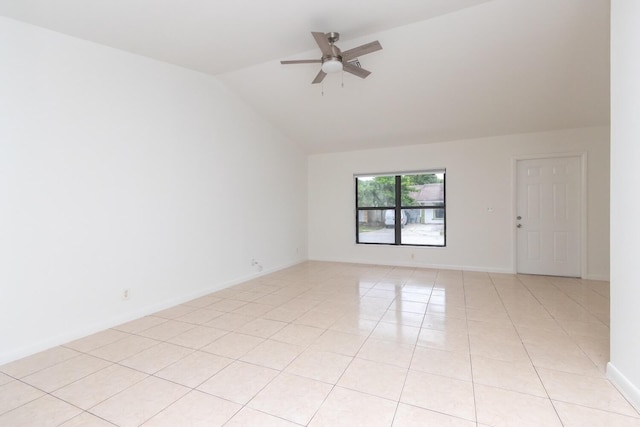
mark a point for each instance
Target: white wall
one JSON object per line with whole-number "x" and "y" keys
{"x": 120, "y": 172}
{"x": 624, "y": 368}
{"x": 479, "y": 176}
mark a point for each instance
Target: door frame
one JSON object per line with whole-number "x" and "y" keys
{"x": 583, "y": 204}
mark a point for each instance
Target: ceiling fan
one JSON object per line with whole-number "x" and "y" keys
{"x": 334, "y": 60}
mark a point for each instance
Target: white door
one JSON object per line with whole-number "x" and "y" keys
{"x": 548, "y": 216}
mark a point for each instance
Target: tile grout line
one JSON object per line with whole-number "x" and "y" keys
{"x": 415, "y": 345}
{"x": 473, "y": 382}
{"x": 350, "y": 362}
{"x": 555, "y": 321}
{"x": 524, "y": 346}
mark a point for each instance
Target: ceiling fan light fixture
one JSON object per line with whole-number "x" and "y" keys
{"x": 332, "y": 65}
{"x": 334, "y": 60}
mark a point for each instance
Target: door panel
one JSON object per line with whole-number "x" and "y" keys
{"x": 533, "y": 245}
{"x": 549, "y": 216}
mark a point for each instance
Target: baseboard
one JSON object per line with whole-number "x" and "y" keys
{"x": 417, "y": 265}
{"x": 597, "y": 277}
{"x": 101, "y": 325}
{"x": 626, "y": 387}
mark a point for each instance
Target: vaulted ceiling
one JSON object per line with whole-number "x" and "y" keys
{"x": 449, "y": 69}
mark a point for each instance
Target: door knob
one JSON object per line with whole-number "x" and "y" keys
{"x": 518, "y": 217}
{"x": 519, "y": 225}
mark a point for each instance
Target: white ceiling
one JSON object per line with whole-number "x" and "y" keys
{"x": 449, "y": 69}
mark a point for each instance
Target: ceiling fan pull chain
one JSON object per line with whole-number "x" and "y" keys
{"x": 342, "y": 78}
{"x": 322, "y": 86}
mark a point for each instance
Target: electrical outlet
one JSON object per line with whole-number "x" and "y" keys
{"x": 413, "y": 256}
{"x": 125, "y": 295}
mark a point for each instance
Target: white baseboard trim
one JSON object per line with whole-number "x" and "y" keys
{"x": 626, "y": 387}
{"x": 416, "y": 264}
{"x": 88, "y": 329}
{"x": 597, "y": 277}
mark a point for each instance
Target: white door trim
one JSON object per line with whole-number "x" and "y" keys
{"x": 583, "y": 204}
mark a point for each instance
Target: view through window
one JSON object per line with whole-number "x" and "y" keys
{"x": 417, "y": 199}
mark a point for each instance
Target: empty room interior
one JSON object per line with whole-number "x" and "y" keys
{"x": 297, "y": 213}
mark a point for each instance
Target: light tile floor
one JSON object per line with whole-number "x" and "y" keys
{"x": 329, "y": 344}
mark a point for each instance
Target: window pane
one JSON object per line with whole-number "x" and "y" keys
{"x": 423, "y": 190}
{"x": 376, "y": 191}
{"x": 422, "y": 218}
{"x": 424, "y": 227}
{"x": 373, "y": 227}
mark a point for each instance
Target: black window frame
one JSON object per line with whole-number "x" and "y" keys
{"x": 398, "y": 207}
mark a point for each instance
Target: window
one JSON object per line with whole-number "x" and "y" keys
{"x": 417, "y": 199}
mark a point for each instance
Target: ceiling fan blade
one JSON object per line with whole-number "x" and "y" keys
{"x": 321, "y": 75}
{"x": 361, "y": 50}
{"x": 356, "y": 71}
{"x": 323, "y": 43}
{"x": 302, "y": 61}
